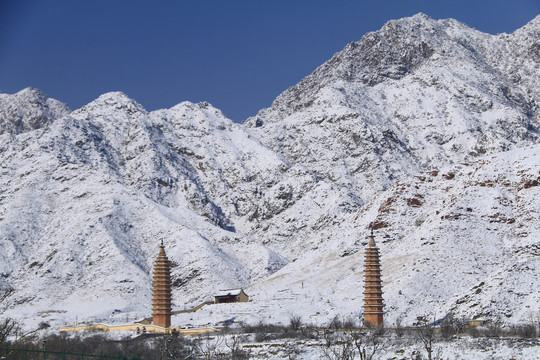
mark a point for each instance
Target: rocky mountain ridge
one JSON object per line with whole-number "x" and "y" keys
{"x": 407, "y": 129}
{"x": 419, "y": 93}
{"x": 27, "y": 110}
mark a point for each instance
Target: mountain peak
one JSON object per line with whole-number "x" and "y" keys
{"x": 31, "y": 91}
{"x": 117, "y": 98}
{"x": 417, "y": 18}
{"x": 27, "y": 110}
{"x": 390, "y": 53}
{"x": 112, "y": 101}
{"x": 420, "y": 26}
{"x": 201, "y": 107}
{"x": 397, "y": 50}
{"x": 199, "y": 115}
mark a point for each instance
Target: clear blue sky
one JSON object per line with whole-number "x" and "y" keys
{"x": 237, "y": 55}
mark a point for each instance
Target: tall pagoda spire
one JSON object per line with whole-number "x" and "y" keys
{"x": 373, "y": 301}
{"x": 162, "y": 290}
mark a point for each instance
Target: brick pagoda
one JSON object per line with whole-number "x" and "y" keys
{"x": 162, "y": 290}
{"x": 373, "y": 301}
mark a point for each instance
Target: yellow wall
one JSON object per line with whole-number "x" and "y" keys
{"x": 149, "y": 328}
{"x": 242, "y": 297}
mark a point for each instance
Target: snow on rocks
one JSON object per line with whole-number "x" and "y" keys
{"x": 421, "y": 129}
{"x": 27, "y": 110}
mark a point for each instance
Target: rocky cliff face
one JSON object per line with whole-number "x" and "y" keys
{"x": 427, "y": 129}
{"x": 27, "y": 110}
{"x": 417, "y": 94}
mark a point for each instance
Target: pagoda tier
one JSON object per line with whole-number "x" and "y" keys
{"x": 373, "y": 301}
{"x": 162, "y": 290}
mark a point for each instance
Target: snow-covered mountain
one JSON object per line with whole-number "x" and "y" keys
{"x": 463, "y": 238}
{"x": 418, "y": 93}
{"x": 27, "y": 110}
{"x": 426, "y": 128}
{"x": 99, "y": 188}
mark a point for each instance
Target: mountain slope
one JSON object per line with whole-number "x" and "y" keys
{"x": 461, "y": 239}
{"x": 99, "y": 189}
{"x": 417, "y": 93}
{"x": 426, "y": 129}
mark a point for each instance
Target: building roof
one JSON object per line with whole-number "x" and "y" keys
{"x": 230, "y": 292}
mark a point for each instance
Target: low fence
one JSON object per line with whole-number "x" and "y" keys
{"x": 14, "y": 353}
{"x": 198, "y": 307}
{"x": 148, "y": 320}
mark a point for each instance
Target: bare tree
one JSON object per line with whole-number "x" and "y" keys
{"x": 8, "y": 326}
{"x": 338, "y": 346}
{"x": 175, "y": 347}
{"x": 295, "y": 322}
{"x": 426, "y": 334}
{"x": 336, "y": 323}
{"x": 237, "y": 353}
{"x": 368, "y": 344}
{"x": 451, "y": 325}
{"x": 345, "y": 345}
{"x": 207, "y": 346}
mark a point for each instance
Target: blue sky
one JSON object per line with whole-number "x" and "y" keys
{"x": 237, "y": 55}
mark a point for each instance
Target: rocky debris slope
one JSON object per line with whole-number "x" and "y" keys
{"x": 460, "y": 239}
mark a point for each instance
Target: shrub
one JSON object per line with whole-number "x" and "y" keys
{"x": 295, "y": 322}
